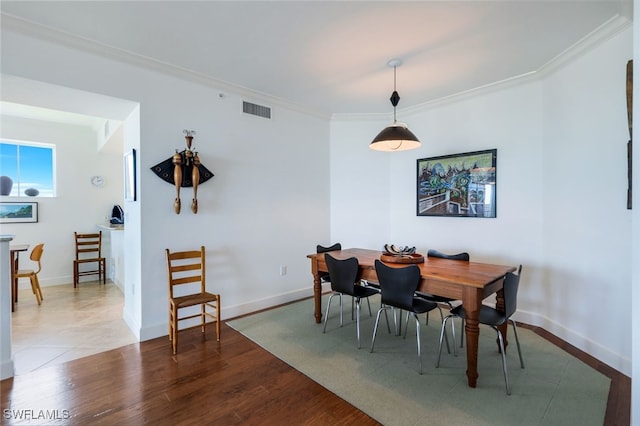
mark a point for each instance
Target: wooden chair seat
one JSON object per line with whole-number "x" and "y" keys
{"x": 89, "y": 250}
{"x": 194, "y": 299}
{"x": 187, "y": 289}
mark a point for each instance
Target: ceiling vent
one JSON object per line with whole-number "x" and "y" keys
{"x": 253, "y": 109}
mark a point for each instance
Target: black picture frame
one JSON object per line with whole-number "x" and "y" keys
{"x": 458, "y": 185}
{"x": 130, "y": 175}
{"x": 18, "y": 212}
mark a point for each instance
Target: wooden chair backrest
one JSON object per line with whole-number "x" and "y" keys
{"x": 36, "y": 255}
{"x": 186, "y": 267}
{"x": 88, "y": 246}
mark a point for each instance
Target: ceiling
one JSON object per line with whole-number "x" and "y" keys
{"x": 331, "y": 56}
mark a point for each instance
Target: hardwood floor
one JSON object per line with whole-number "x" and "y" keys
{"x": 229, "y": 382}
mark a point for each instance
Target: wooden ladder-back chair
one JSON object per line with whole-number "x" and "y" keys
{"x": 187, "y": 289}
{"x": 32, "y": 274}
{"x": 89, "y": 250}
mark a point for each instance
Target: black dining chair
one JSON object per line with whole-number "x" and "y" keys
{"x": 494, "y": 318}
{"x": 344, "y": 280}
{"x": 463, "y": 257}
{"x": 324, "y": 276}
{"x": 397, "y": 290}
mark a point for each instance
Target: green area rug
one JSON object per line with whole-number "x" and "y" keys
{"x": 554, "y": 388}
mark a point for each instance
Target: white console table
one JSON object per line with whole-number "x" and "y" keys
{"x": 113, "y": 251}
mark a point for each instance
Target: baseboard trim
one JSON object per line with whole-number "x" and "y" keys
{"x": 584, "y": 343}
{"x": 234, "y": 311}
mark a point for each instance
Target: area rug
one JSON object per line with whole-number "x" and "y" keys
{"x": 554, "y": 388}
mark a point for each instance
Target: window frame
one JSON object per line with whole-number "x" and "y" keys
{"x": 20, "y": 143}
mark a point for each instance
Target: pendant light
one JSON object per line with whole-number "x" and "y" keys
{"x": 396, "y": 137}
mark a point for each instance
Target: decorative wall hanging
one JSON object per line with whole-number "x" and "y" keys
{"x": 461, "y": 185}
{"x": 184, "y": 169}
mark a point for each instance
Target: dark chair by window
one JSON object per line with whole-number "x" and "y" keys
{"x": 344, "y": 280}
{"x": 89, "y": 250}
{"x": 494, "y": 318}
{"x": 397, "y": 288}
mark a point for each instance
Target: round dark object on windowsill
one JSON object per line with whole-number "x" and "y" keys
{"x": 31, "y": 192}
{"x": 6, "y": 183}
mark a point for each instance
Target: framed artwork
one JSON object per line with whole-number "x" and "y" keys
{"x": 130, "y": 175}
{"x": 460, "y": 185}
{"x": 18, "y": 212}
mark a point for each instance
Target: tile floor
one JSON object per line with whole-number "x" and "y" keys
{"x": 70, "y": 324}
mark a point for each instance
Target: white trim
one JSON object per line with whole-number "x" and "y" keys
{"x": 103, "y": 50}
{"x": 584, "y": 343}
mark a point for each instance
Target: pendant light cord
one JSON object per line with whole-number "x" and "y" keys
{"x": 395, "y": 98}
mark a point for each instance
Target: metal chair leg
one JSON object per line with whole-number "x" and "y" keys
{"x": 504, "y": 360}
{"x": 358, "y": 320}
{"x": 326, "y": 315}
{"x": 386, "y": 316}
{"x": 375, "y": 327}
{"x": 513, "y": 323}
{"x": 446, "y": 338}
{"x": 418, "y": 340}
{"x": 442, "y": 334}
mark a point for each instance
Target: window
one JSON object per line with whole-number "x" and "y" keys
{"x": 30, "y": 165}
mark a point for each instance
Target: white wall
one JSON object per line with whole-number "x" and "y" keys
{"x": 587, "y": 227}
{"x": 78, "y": 206}
{"x": 561, "y": 193}
{"x": 266, "y": 207}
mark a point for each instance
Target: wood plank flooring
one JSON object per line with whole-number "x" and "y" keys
{"x": 229, "y": 382}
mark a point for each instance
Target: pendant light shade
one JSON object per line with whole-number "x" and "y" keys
{"x": 397, "y": 136}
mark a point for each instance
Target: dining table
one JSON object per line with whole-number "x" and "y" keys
{"x": 15, "y": 250}
{"x": 470, "y": 282}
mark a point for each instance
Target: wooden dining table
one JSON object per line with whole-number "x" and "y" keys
{"x": 470, "y": 282}
{"x": 15, "y": 250}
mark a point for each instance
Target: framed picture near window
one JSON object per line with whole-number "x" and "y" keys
{"x": 130, "y": 175}
{"x": 459, "y": 185}
{"x": 18, "y": 212}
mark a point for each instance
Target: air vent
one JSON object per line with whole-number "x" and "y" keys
{"x": 253, "y": 109}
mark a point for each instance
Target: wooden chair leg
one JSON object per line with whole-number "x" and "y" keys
{"x": 75, "y": 274}
{"x": 218, "y": 319}
{"x": 34, "y": 288}
{"x": 38, "y": 287}
{"x": 175, "y": 331}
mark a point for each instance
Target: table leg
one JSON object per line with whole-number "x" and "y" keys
{"x": 471, "y": 301}
{"x": 317, "y": 298}
{"x": 14, "y": 281}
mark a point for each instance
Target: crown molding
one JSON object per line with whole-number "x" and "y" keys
{"x": 604, "y": 32}
{"x": 595, "y": 38}
{"x": 90, "y": 46}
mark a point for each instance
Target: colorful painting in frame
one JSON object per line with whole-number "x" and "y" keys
{"x": 458, "y": 185}
{"x": 18, "y": 212}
